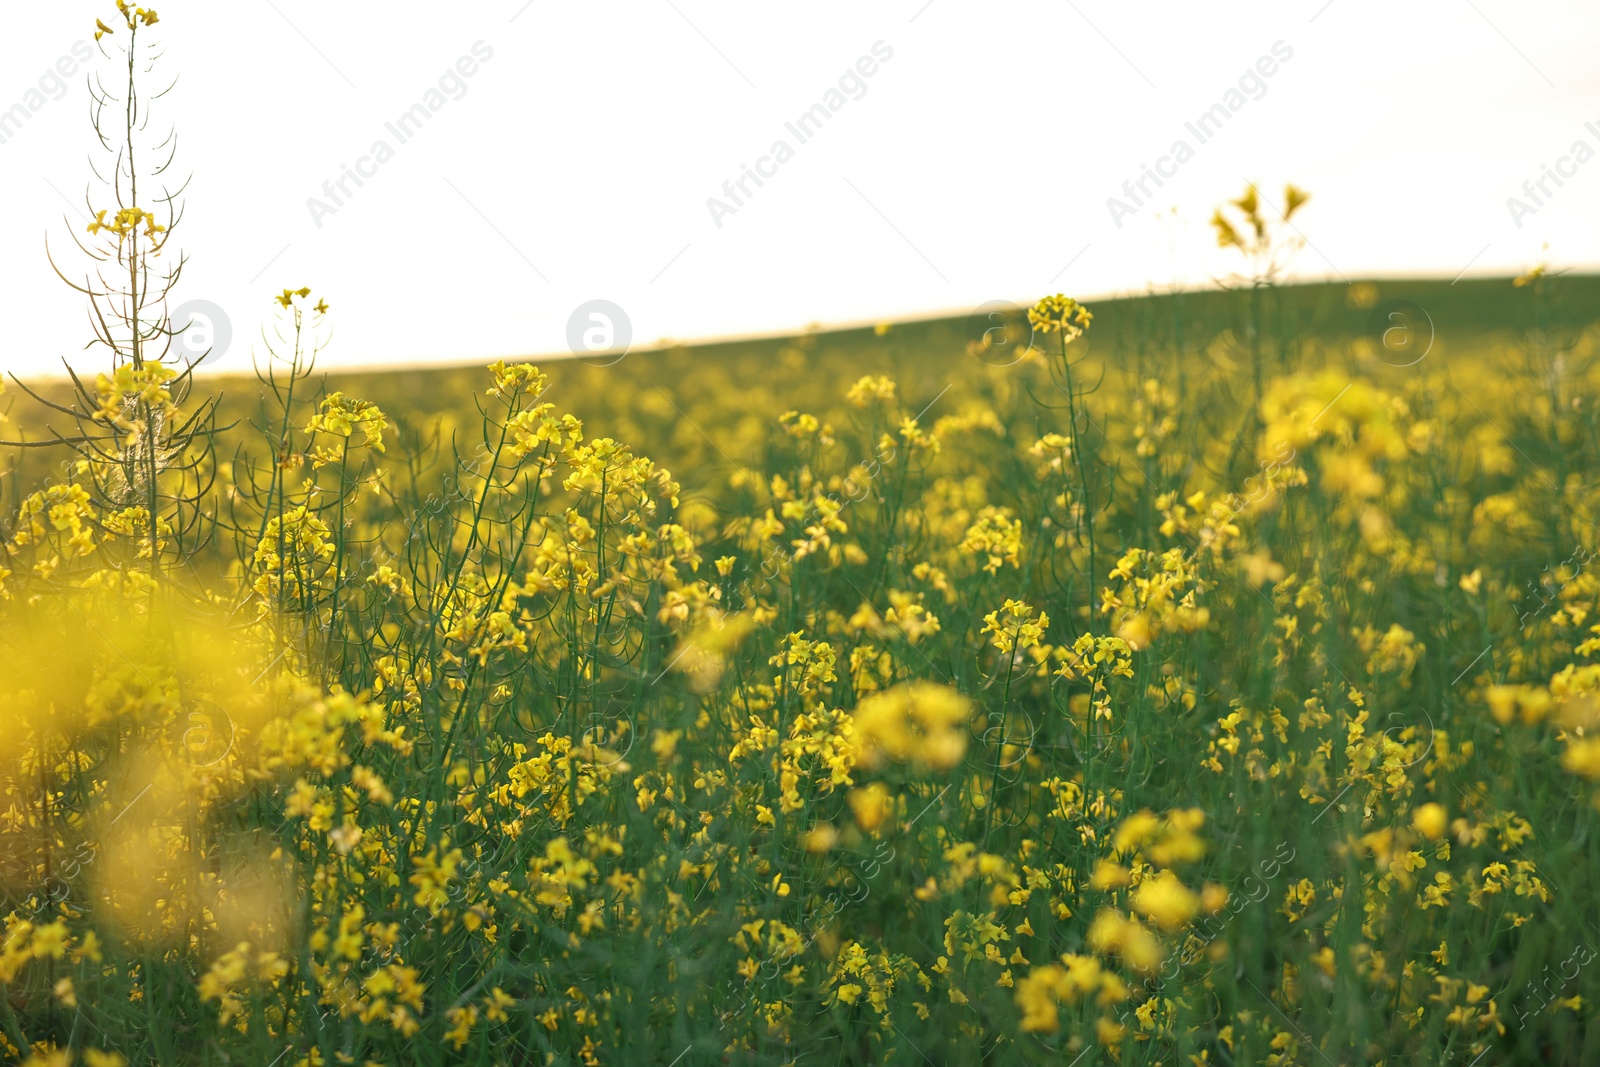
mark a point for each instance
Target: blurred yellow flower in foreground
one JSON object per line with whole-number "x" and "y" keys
{"x": 918, "y": 722}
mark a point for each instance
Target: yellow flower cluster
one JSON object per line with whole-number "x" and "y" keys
{"x": 918, "y": 722}
{"x": 1060, "y": 314}
{"x": 125, "y": 222}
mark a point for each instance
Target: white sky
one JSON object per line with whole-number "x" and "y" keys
{"x": 976, "y": 166}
